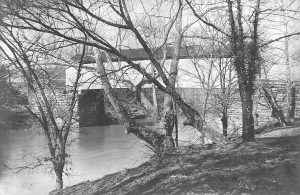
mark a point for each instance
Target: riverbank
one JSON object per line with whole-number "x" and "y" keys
{"x": 270, "y": 165}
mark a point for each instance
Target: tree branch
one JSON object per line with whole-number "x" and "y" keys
{"x": 278, "y": 39}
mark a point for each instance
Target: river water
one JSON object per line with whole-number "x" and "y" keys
{"x": 95, "y": 151}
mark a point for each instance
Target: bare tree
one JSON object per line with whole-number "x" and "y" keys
{"x": 4, "y": 86}
{"x": 67, "y": 19}
{"x": 27, "y": 53}
{"x": 244, "y": 34}
{"x": 216, "y": 76}
{"x": 288, "y": 16}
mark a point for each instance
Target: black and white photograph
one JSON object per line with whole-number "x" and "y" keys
{"x": 149, "y": 97}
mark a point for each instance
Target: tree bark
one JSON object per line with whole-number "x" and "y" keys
{"x": 58, "y": 169}
{"x": 59, "y": 181}
{"x": 224, "y": 98}
{"x": 168, "y": 117}
{"x": 146, "y": 103}
{"x": 276, "y": 111}
{"x": 140, "y": 96}
{"x": 152, "y": 136}
{"x": 176, "y": 124}
{"x": 154, "y": 97}
{"x": 246, "y": 69}
{"x": 248, "y": 120}
{"x": 224, "y": 120}
{"x": 293, "y": 103}
{"x": 156, "y": 135}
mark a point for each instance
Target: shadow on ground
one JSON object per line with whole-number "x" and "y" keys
{"x": 271, "y": 165}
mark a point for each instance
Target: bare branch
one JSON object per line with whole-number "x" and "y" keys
{"x": 278, "y": 39}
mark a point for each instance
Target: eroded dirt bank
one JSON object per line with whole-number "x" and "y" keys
{"x": 271, "y": 165}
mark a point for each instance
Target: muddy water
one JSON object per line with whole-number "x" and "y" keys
{"x": 96, "y": 151}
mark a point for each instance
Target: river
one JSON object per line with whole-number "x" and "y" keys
{"x": 95, "y": 152}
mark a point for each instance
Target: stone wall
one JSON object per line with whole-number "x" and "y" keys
{"x": 261, "y": 110}
{"x": 93, "y": 109}
{"x": 60, "y": 104}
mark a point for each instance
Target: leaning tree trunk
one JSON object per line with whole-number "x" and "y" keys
{"x": 152, "y": 136}
{"x": 276, "y": 111}
{"x": 156, "y": 136}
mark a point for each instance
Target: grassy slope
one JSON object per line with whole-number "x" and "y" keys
{"x": 271, "y": 165}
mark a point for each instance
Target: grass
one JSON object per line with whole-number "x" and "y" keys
{"x": 270, "y": 165}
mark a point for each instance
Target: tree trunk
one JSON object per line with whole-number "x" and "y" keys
{"x": 224, "y": 120}
{"x": 224, "y": 98}
{"x": 146, "y": 103}
{"x": 58, "y": 169}
{"x": 167, "y": 120}
{"x": 153, "y": 136}
{"x": 176, "y": 124}
{"x": 246, "y": 69}
{"x": 248, "y": 120}
{"x": 59, "y": 181}
{"x": 140, "y": 96}
{"x": 287, "y": 63}
{"x": 154, "y": 97}
{"x": 168, "y": 117}
{"x": 276, "y": 111}
{"x": 246, "y": 94}
{"x": 158, "y": 135}
{"x": 293, "y": 103}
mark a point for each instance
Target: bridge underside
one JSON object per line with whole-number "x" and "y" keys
{"x": 91, "y": 108}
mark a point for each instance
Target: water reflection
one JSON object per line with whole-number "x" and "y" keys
{"x": 97, "y": 151}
